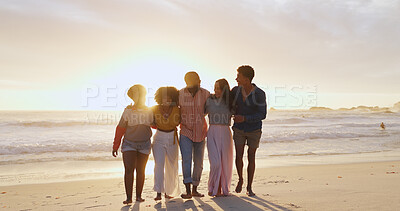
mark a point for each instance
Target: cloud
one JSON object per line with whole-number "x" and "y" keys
{"x": 65, "y": 10}
{"x": 339, "y": 45}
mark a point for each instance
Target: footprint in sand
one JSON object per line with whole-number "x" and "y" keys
{"x": 90, "y": 207}
{"x": 65, "y": 205}
{"x": 94, "y": 197}
{"x": 295, "y": 206}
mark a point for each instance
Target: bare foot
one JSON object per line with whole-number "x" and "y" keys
{"x": 238, "y": 188}
{"x": 167, "y": 196}
{"x": 210, "y": 193}
{"x": 139, "y": 199}
{"x": 250, "y": 192}
{"x": 197, "y": 194}
{"x": 158, "y": 197}
{"x": 186, "y": 196}
{"x": 128, "y": 201}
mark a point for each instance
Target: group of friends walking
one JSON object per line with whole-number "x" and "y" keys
{"x": 187, "y": 109}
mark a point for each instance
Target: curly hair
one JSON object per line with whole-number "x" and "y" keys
{"x": 167, "y": 91}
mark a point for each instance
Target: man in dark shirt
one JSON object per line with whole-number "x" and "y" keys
{"x": 249, "y": 103}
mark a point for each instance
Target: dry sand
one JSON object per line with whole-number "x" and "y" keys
{"x": 360, "y": 186}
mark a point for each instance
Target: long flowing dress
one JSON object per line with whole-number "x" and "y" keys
{"x": 219, "y": 146}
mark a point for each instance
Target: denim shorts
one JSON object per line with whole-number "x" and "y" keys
{"x": 143, "y": 147}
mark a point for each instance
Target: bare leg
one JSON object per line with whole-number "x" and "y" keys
{"x": 239, "y": 166}
{"x": 140, "y": 175}
{"x": 251, "y": 154}
{"x": 129, "y": 159}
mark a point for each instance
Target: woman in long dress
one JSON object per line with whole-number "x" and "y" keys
{"x": 219, "y": 140}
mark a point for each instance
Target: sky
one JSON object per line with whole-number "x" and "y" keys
{"x": 84, "y": 55}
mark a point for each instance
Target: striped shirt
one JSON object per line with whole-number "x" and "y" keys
{"x": 193, "y": 122}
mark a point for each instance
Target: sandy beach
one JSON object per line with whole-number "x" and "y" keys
{"x": 359, "y": 186}
{"x": 311, "y": 87}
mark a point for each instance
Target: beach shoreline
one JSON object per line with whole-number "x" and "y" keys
{"x": 72, "y": 170}
{"x": 360, "y": 186}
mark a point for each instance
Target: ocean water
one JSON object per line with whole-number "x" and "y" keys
{"x": 43, "y": 146}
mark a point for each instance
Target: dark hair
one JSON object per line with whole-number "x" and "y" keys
{"x": 226, "y": 93}
{"x": 191, "y": 77}
{"x": 167, "y": 91}
{"x": 247, "y": 71}
{"x": 137, "y": 93}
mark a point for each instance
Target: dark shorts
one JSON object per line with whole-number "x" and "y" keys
{"x": 252, "y": 139}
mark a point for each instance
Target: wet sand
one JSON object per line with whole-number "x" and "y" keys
{"x": 359, "y": 186}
